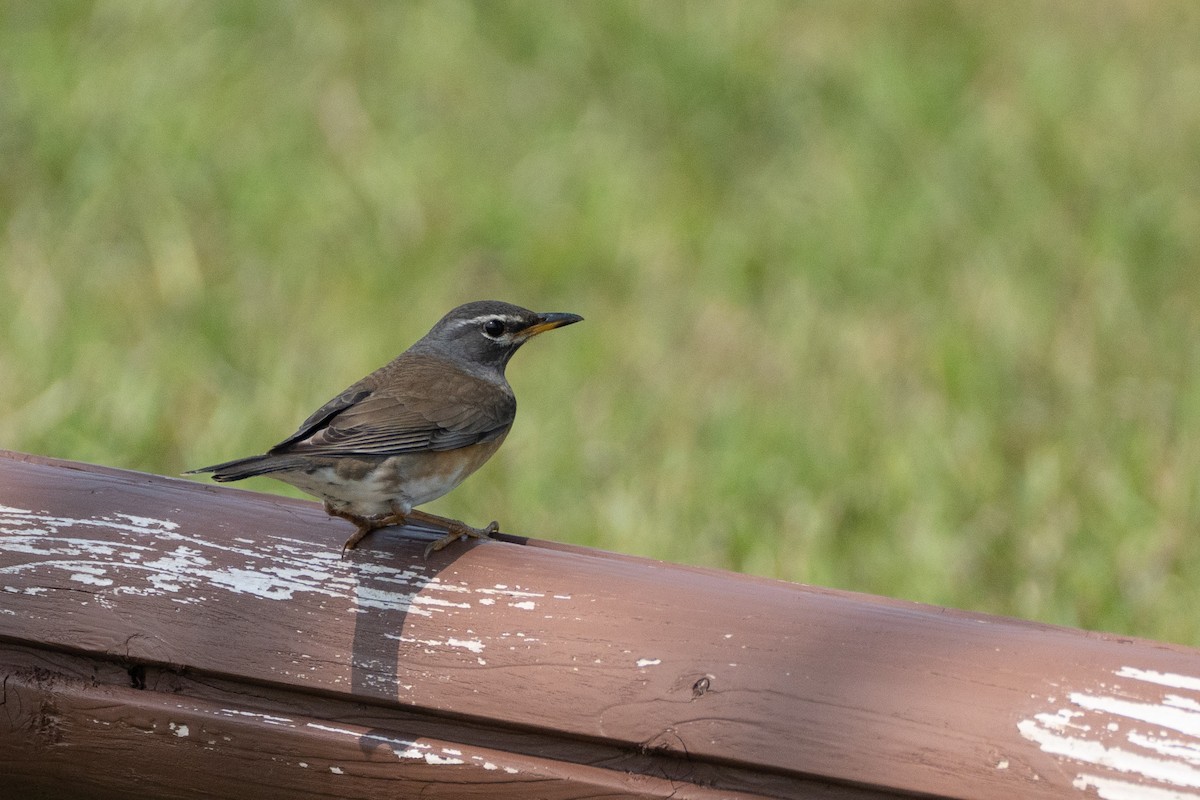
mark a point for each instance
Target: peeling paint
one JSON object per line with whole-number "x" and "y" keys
{"x": 155, "y": 557}
{"x": 149, "y": 522}
{"x": 501, "y": 589}
{"x": 1161, "y": 678}
{"x": 1152, "y": 753}
{"x": 406, "y": 749}
{"x": 434, "y": 758}
{"x": 474, "y": 645}
{"x": 1110, "y": 789}
{"x": 270, "y": 719}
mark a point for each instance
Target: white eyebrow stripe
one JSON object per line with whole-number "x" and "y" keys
{"x": 483, "y": 318}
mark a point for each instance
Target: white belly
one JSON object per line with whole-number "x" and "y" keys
{"x": 397, "y": 484}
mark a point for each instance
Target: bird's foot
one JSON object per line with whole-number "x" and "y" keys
{"x": 364, "y": 525}
{"x": 460, "y": 530}
{"x": 455, "y": 529}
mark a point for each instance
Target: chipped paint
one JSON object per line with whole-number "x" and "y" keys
{"x": 1110, "y": 789}
{"x": 270, "y": 719}
{"x": 1153, "y": 752}
{"x": 1161, "y": 678}
{"x": 501, "y": 589}
{"x": 434, "y": 758}
{"x": 649, "y": 662}
{"x": 151, "y": 557}
{"x": 473, "y": 645}
{"x": 155, "y": 557}
{"x": 411, "y": 749}
{"x": 148, "y": 522}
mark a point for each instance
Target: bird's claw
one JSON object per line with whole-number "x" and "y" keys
{"x": 457, "y": 532}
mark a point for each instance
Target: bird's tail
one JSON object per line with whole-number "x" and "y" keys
{"x": 248, "y": 467}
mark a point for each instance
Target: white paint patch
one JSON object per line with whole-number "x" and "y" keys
{"x": 524, "y": 605}
{"x": 437, "y": 601}
{"x": 91, "y": 578}
{"x": 1167, "y": 747}
{"x": 267, "y": 718}
{"x": 507, "y": 592}
{"x": 145, "y": 556}
{"x": 180, "y": 730}
{"x": 1161, "y": 678}
{"x": 474, "y": 645}
{"x": 1109, "y": 789}
{"x": 649, "y": 662}
{"x": 1161, "y": 713}
{"x": 402, "y": 748}
{"x": 149, "y": 522}
{"x": 434, "y": 758}
{"x": 337, "y": 770}
{"x": 1152, "y": 753}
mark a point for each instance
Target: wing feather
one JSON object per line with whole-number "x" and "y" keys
{"x": 413, "y": 404}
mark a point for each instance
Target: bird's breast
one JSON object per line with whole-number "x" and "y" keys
{"x": 370, "y": 487}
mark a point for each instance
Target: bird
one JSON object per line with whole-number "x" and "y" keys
{"x": 413, "y": 429}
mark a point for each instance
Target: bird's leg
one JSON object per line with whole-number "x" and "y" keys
{"x": 455, "y": 529}
{"x": 364, "y": 524}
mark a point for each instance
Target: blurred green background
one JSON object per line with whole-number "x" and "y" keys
{"x": 896, "y": 297}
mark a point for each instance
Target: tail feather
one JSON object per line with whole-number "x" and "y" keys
{"x": 248, "y": 467}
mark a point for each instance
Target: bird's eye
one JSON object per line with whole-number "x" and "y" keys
{"x": 493, "y": 328}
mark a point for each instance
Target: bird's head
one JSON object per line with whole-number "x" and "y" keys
{"x": 486, "y": 333}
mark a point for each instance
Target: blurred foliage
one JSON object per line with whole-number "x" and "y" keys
{"x": 901, "y": 298}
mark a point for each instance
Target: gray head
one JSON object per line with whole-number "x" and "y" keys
{"x": 487, "y": 332}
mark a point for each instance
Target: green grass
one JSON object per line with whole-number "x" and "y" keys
{"x": 901, "y": 298}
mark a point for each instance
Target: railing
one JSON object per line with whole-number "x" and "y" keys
{"x": 164, "y": 638}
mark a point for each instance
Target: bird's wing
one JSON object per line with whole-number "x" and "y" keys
{"x": 411, "y": 405}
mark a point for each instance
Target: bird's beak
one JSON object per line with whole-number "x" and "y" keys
{"x": 548, "y": 322}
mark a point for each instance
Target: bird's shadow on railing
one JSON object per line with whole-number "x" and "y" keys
{"x": 392, "y": 577}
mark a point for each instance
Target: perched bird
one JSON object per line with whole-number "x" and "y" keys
{"x": 413, "y": 429}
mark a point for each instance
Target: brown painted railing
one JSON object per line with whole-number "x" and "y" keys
{"x": 163, "y": 638}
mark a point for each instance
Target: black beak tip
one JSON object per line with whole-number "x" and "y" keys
{"x": 559, "y": 319}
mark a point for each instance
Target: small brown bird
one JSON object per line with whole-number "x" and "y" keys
{"x": 413, "y": 429}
